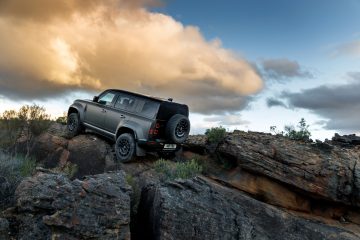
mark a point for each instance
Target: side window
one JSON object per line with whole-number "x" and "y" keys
{"x": 125, "y": 102}
{"x": 107, "y": 98}
{"x": 147, "y": 108}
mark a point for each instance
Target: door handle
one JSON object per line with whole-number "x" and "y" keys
{"x": 103, "y": 110}
{"x": 122, "y": 116}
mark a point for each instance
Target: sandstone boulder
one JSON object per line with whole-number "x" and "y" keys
{"x": 91, "y": 153}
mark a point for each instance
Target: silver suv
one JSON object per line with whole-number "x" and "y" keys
{"x": 137, "y": 123}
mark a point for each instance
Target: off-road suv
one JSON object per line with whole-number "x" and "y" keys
{"x": 137, "y": 123}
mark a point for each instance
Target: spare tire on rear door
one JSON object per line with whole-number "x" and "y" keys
{"x": 177, "y": 128}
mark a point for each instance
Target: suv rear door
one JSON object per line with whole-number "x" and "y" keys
{"x": 122, "y": 111}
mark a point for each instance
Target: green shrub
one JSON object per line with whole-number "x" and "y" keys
{"x": 215, "y": 134}
{"x": 27, "y": 167}
{"x": 12, "y": 171}
{"x": 301, "y": 133}
{"x": 183, "y": 170}
{"x": 28, "y": 121}
{"x": 63, "y": 119}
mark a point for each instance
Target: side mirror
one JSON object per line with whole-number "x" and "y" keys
{"x": 96, "y": 99}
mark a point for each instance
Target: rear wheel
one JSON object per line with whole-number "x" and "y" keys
{"x": 178, "y": 128}
{"x": 74, "y": 126}
{"x": 125, "y": 147}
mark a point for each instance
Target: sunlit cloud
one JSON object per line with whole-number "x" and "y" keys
{"x": 53, "y": 47}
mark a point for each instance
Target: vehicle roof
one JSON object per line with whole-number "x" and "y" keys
{"x": 158, "y": 99}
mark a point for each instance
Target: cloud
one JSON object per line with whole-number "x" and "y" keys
{"x": 347, "y": 49}
{"x": 227, "y": 120}
{"x": 282, "y": 68}
{"x": 53, "y": 47}
{"x": 272, "y": 102}
{"x": 339, "y": 104}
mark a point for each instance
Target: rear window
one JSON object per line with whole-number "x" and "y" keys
{"x": 147, "y": 108}
{"x": 126, "y": 102}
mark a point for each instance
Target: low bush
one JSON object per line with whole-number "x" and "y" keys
{"x": 183, "y": 170}
{"x": 12, "y": 171}
{"x": 300, "y": 133}
{"x": 28, "y": 122}
{"x": 63, "y": 119}
{"x": 215, "y": 134}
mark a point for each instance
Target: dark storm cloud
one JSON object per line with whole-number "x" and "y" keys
{"x": 273, "y": 102}
{"x": 340, "y": 104}
{"x": 282, "y": 68}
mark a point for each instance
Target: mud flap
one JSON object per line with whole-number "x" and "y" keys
{"x": 140, "y": 152}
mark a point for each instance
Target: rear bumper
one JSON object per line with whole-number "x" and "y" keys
{"x": 157, "y": 146}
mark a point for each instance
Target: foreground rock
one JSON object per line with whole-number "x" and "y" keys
{"x": 50, "y": 206}
{"x": 4, "y": 229}
{"x": 202, "y": 209}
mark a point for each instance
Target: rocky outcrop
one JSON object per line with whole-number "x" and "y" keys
{"x": 257, "y": 186}
{"x": 317, "y": 170}
{"x": 346, "y": 140}
{"x": 89, "y": 152}
{"x": 50, "y": 206}
{"x": 203, "y": 209}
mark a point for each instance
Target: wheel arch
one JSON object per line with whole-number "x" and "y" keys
{"x": 77, "y": 108}
{"x": 139, "y": 151}
{"x": 125, "y": 129}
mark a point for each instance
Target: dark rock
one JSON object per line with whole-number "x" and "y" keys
{"x": 49, "y": 150}
{"x": 202, "y": 209}
{"x": 89, "y": 152}
{"x": 196, "y": 143}
{"x": 4, "y": 229}
{"x": 50, "y": 206}
{"x": 346, "y": 140}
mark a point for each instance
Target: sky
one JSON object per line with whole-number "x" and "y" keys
{"x": 242, "y": 64}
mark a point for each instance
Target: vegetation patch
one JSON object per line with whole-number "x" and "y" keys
{"x": 28, "y": 122}
{"x": 12, "y": 171}
{"x": 215, "y": 134}
{"x": 174, "y": 170}
{"x": 301, "y": 132}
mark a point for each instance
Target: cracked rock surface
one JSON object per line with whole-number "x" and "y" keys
{"x": 203, "y": 209}
{"x": 50, "y": 206}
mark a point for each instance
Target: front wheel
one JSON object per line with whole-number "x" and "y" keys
{"x": 125, "y": 147}
{"x": 74, "y": 126}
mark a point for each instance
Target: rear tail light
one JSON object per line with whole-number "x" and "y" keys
{"x": 155, "y": 128}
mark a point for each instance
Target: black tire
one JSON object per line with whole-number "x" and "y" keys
{"x": 125, "y": 147}
{"x": 74, "y": 126}
{"x": 178, "y": 128}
